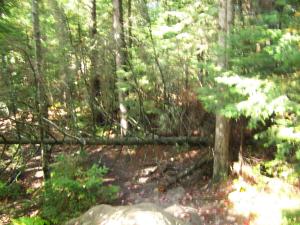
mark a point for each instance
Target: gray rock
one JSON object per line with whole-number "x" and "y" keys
{"x": 140, "y": 214}
{"x": 175, "y": 195}
{"x": 4, "y": 111}
{"x": 177, "y": 210}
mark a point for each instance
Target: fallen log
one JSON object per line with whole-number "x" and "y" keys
{"x": 206, "y": 157}
{"x": 110, "y": 141}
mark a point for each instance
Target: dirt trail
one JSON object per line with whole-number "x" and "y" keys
{"x": 140, "y": 171}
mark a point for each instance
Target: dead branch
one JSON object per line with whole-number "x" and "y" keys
{"x": 206, "y": 157}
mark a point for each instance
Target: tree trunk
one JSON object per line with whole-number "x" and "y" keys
{"x": 129, "y": 27}
{"x": 42, "y": 100}
{"x": 221, "y": 153}
{"x": 95, "y": 83}
{"x": 65, "y": 49}
{"x": 112, "y": 141}
{"x": 221, "y": 150}
{"x": 156, "y": 57}
{"x": 120, "y": 54}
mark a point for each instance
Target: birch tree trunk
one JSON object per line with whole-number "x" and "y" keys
{"x": 41, "y": 98}
{"x": 221, "y": 150}
{"x": 120, "y": 54}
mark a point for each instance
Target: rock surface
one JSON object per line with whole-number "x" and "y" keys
{"x": 140, "y": 214}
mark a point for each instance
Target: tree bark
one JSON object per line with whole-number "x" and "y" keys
{"x": 222, "y": 130}
{"x": 129, "y": 27}
{"x": 156, "y": 56}
{"x": 94, "y": 83}
{"x": 120, "y": 57}
{"x": 114, "y": 141}
{"x": 221, "y": 150}
{"x": 65, "y": 49}
{"x": 42, "y": 100}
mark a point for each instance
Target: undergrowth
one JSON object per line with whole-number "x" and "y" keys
{"x": 30, "y": 221}
{"x": 74, "y": 188}
{"x": 10, "y": 191}
{"x": 291, "y": 217}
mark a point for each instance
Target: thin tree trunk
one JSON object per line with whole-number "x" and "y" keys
{"x": 129, "y": 27}
{"x": 1, "y": 7}
{"x": 42, "y": 100}
{"x": 221, "y": 150}
{"x": 4, "y": 69}
{"x": 120, "y": 54}
{"x": 129, "y": 62}
{"x": 156, "y": 57}
{"x": 9, "y": 82}
{"x": 94, "y": 85}
{"x": 65, "y": 48}
{"x": 95, "y": 82}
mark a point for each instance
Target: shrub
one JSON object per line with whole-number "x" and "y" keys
{"x": 11, "y": 191}
{"x": 291, "y": 217}
{"x": 72, "y": 189}
{"x": 30, "y": 221}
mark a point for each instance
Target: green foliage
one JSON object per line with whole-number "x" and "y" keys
{"x": 279, "y": 168}
{"x": 181, "y": 148}
{"x": 165, "y": 42}
{"x": 73, "y": 188}
{"x": 262, "y": 80}
{"x": 11, "y": 191}
{"x": 171, "y": 122}
{"x": 291, "y": 217}
{"x": 30, "y": 221}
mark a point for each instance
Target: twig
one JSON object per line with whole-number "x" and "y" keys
{"x": 80, "y": 140}
{"x": 14, "y": 155}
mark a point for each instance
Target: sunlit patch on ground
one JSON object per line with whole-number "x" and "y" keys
{"x": 5, "y": 125}
{"x": 263, "y": 204}
{"x": 256, "y": 199}
{"x": 4, "y": 219}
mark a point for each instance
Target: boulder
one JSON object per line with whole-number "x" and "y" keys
{"x": 175, "y": 195}
{"x": 190, "y": 214}
{"x": 4, "y": 111}
{"x": 140, "y": 214}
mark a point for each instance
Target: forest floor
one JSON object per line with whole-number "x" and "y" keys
{"x": 141, "y": 171}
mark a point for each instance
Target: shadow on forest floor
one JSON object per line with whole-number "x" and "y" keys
{"x": 140, "y": 171}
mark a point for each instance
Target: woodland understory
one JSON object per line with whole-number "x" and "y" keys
{"x": 185, "y": 103}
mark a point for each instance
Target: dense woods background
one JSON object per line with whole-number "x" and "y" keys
{"x": 83, "y": 71}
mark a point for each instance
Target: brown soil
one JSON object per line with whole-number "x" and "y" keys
{"x": 140, "y": 171}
